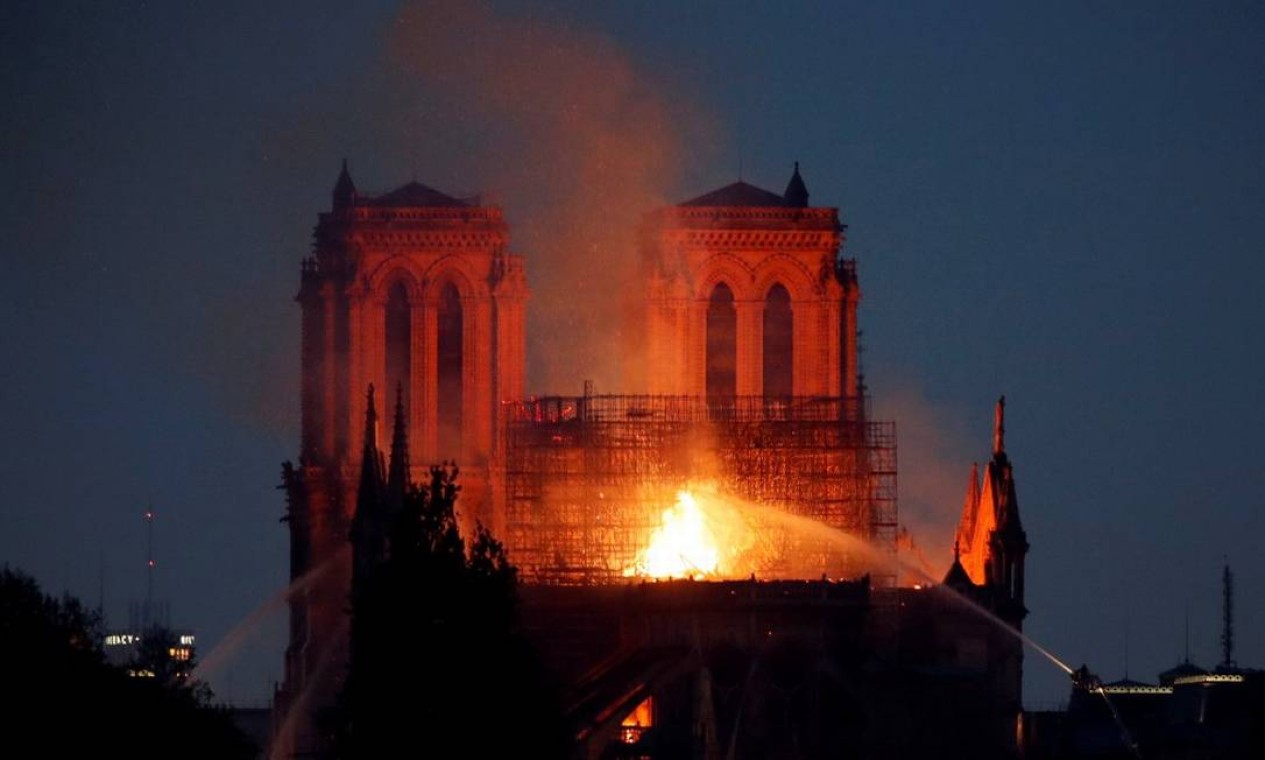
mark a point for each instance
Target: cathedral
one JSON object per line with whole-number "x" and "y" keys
{"x": 754, "y": 407}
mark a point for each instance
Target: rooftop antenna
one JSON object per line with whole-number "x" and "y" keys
{"x": 1227, "y": 617}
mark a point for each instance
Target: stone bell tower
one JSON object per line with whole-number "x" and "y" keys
{"x": 412, "y": 289}
{"x": 414, "y": 292}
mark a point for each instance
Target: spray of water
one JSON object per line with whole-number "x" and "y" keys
{"x": 1115, "y": 715}
{"x": 967, "y": 601}
{"x": 283, "y": 745}
{"x": 232, "y": 642}
{"x": 725, "y": 508}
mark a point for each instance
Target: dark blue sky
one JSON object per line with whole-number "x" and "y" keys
{"x": 1055, "y": 202}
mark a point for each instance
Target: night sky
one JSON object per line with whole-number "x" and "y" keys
{"x": 1058, "y": 202}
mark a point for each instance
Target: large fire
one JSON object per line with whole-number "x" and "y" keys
{"x": 710, "y": 535}
{"x": 683, "y": 546}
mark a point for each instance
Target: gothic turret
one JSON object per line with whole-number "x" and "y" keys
{"x": 991, "y": 545}
{"x": 796, "y": 191}
{"x": 1007, "y": 543}
{"x": 956, "y": 578}
{"x": 344, "y": 189}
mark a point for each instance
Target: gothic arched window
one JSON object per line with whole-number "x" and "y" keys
{"x": 399, "y": 341}
{"x": 778, "y": 350}
{"x": 722, "y": 343}
{"x": 449, "y": 362}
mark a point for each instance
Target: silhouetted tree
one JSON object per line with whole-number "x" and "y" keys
{"x": 66, "y": 701}
{"x": 439, "y": 662}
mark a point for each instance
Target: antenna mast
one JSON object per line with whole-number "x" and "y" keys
{"x": 149, "y": 569}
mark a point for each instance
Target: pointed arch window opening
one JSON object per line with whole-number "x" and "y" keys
{"x": 778, "y": 349}
{"x": 722, "y": 347}
{"x": 399, "y": 342}
{"x": 449, "y": 348}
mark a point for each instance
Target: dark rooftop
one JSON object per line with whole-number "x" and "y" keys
{"x": 416, "y": 194}
{"x": 738, "y": 194}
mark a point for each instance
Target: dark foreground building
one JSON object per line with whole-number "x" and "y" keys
{"x": 1191, "y": 713}
{"x": 786, "y": 633}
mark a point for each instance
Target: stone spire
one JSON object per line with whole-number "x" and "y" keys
{"x": 999, "y": 427}
{"x": 970, "y": 512}
{"x": 371, "y": 475}
{"x": 972, "y": 488}
{"x": 1003, "y": 475}
{"x": 796, "y": 192}
{"x": 1008, "y": 517}
{"x": 368, "y": 529}
{"x": 398, "y": 474}
{"x": 1007, "y": 543}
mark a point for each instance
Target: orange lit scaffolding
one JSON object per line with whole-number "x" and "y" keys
{"x": 586, "y": 479}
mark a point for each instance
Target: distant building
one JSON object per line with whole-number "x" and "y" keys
{"x": 148, "y": 640}
{"x": 1190, "y": 713}
{"x": 128, "y": 648}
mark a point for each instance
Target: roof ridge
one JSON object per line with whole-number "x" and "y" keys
{"x": 738, "y": 194}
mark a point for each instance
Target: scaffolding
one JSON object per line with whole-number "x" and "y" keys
{"x": 587, "y": 479}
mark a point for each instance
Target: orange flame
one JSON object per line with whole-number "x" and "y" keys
{"x": 683, "y": 546}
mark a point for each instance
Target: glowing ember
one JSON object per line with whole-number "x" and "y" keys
{"x": 683, "y": 546}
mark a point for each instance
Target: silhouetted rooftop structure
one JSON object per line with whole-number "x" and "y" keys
{"x": 416, "y": 194}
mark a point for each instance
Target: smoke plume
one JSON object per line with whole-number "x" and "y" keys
{"x": 575, "y": 142}
{"x": 935, "y": 460}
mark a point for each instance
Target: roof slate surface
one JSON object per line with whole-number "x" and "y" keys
{"x": 738, "y": 194}
{"x": 416, "y": 194}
